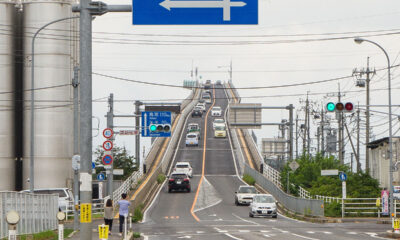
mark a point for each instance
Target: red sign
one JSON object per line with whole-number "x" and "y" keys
{"x": 107, "y": 159}
{"x": 385, "y": 202}
{"x": 108, "y": 133}
{"x": 107, "y": 145}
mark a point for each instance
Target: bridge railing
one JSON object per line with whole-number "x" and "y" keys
{"x": 37, "y": 212}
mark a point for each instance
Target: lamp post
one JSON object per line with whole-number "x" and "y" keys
{"x": 32, "y": 125}
{"x": 359, "y": 41}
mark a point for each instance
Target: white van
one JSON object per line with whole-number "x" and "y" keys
{"x": 65, "y": 197}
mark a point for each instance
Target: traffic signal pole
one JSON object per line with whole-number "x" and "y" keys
{"x": 110, "y": 124}
{"x": 137, "y": 137}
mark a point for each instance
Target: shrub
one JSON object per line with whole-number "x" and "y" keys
{"x": 161, "y": 178}
{"x": 249, "y": 179}
{"x": 136, "y": 235}
{"x": 333, "y": 209}
{"x": 138, "y": 214}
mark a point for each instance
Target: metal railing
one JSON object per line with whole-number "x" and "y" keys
{"x": 97, "y": 208}
{"x": 273, "y": 175}
{"x": 38, "y": 212}
{"x": 327, "y": 199}
{"x": 126, "y": 185}
{"x": 304, "y": 193}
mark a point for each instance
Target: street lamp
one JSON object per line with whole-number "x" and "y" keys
{"x": 359, "y": 41}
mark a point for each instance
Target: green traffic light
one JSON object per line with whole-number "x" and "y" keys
{"x": 330, "y": 107}
{"x": 153, "y": 128}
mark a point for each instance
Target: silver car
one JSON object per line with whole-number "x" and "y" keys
{"x": 263, "y": 205}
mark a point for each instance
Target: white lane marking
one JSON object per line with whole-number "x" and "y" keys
{"x": 310, "y": 232}
{"x": 230, "y": 138}
{"x": 185, "y": 237}
{"x": 327, "y": 232}
{"x": 301, "y": 236}
{"x": 264, "y": 231}
{"x": 200, "y": 232}
{"x": 212, "y": 205}
{"x": 245, "y": 220}
{"x": 280, "y": 230}
{"x": 244, "y": 231}
{"x": 266, "y": 235}
{"x": 374, "y": 235}
{"x": 222, "y": 231}
{"x": 353, "y": 233}
{"x": 227, "y": 234}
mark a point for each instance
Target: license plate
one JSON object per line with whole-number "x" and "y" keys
{"x": 191, "y": 142}
{"x": 264, "y": 211}
{"x": 178, "y": 182}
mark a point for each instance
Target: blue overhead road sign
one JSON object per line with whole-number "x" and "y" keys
{"x": 194, "y": 12}
{"x": 156, "y": 124}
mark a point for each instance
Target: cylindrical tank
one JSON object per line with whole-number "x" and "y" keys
{"x": 53, "y": 137}
{"x": 7, "y": 167}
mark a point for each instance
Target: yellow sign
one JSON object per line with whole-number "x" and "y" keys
{"x": 86, "y": 212}
{"x": 378, "y": 202}
{"x": 103, "y": 231}
{"x": 396, "y": 224}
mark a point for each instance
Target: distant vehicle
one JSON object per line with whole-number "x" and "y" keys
{"x": 193, "y": 127}
{"x": 201, "y": 106}
{"x": 208, "y": 82}
{"x": 184, "y": 167}
{"x": 218, "y": 82}
{"x": 192, "y": 139}
{"x": 208, "y": 101}
{"x": 178, "y": 181}
{"x": 202, "y": 101}
{"x": 206, "y": 96}
{"x": 207, "y": 91}
{"x": 245, "y": 194}
{"x": 216, "y": 111}
{"x": 220, "y": 130}
{"x": 263, "y": 205}
{"x": 197, "y": 112}
{"x": 218, "y": 121}
{"x": 65, "y": 196}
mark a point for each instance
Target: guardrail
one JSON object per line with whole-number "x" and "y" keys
{"x": 126, "y": 186}
{"x": 311, "y": 207}
{"x": 38, "y": 212}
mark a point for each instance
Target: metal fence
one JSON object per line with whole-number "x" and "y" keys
{"x": 310, "y": 207}
{"x": 97, "y": 208}
{"x": 273, "y": 175}
{"x": 37, "y": 212}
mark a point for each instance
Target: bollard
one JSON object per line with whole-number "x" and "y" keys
{"x": 12, "y": 219}
{"x": 60, "y": 218}
{"x": 125, "y": 226}
{"x": 130, "y": 221}
{"x": 396, "y": 225}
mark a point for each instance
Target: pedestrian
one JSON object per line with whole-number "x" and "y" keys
{"x": 108, "y": 215}
{"x": 123, "y": 211}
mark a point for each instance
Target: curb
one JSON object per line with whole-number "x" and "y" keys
{"x": 391, "y": 234}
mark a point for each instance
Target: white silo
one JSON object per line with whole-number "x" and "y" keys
{"x": 7, "y": 162}
{"x": 53, "y": 109}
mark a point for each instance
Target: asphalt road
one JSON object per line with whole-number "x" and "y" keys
{"x": 208, "y": 211}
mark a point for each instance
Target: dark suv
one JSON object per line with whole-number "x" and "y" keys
{"x": 178, "y": 181}
{"x": 197, "y": 113}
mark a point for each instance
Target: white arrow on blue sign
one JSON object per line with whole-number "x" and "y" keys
{"x": 101, "y": 176}
{"x": 166, "y": 12}
{"x": 93, "y": 165}
{"x": 342, "y": 176}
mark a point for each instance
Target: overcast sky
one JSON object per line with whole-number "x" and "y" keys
{"x": 262, "y": 55}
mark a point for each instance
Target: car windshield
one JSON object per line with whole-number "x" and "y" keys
{"x": 178, "y": 176}
{"x": 264, "y": 199}
{"x": 216, "y": 109}
{"x": 206, "y": 96}
{"x": 247, "y": 190}
{"x": 219, "y": 120}
{"x": 191, "y": 136}
{"x": 220, "y": 128}
{"x": 182, "y": 166}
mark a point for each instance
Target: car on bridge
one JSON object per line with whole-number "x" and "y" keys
{"x": 202, "y": 106}
{"x": 184, "y": 167}
{"x": 192, "y": 139}
{"x": 197, "y": 112}
{"x": 263, "y": 205}
{"x": 216, "y": 111}
{"x": 220, "y": 130}
{"x": 193, "y": 127}
{"x": 178, "y": 181}
{"x": 245, "y": 194}
{"x": 218, "y": 121}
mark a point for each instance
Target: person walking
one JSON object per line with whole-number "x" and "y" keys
{"x": 123, "y": 211}
{"x": 108, "y": 215}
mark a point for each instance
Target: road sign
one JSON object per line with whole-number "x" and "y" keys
{"x": 329, "y": 172}
{"x": 385, "y": 202}
{"x": 118, "y": 172}
{"x": 128, "y": 132}
{"x": 156, "y": 124}
{"x": 342, "y": 176}
{"x": 107, "y": 159}
{"x": 245, "y": 115}
{"x": 194, "y": 12}
{"x": 163, "y": 108}
{"x": 108, "y": 133}
{"x": 86, "y": 213}
{"x": 76, "y": 162}
{"x": 107, "y": 145}
{"x": 101, "y": 176}
{"x": 294, "y": 165}
{"x": 93, "y": 165}
{"x": 103, "y": 231}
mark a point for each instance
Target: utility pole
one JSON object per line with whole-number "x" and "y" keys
{"x": 308, "y": 127}
{"x": 110, "y": 124}
{"x": 318, "y": 139}
{"x": 358, "y": 140}
{"x": 297, "y": 137}
{"x": 322, "y": 133}
{"x": 351, "y": 161}
{"x": 360, "y": 73}
{"x": 291, "y": 108}
{"x": 137, "y": 137}
{"x": 75, "y": 84}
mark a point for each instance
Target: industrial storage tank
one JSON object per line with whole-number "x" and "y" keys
{"x": 7, "y": 162}
{"x": 53, "y": 137}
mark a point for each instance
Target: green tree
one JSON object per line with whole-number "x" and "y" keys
{"x": 121, "y": 160}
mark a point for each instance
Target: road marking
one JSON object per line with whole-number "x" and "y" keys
{"x": 374, "y": 235}
{"x": 200, "y": 232}
{"x": 245, "y": 220}
{"x": 264, "y": 231}
{"x": 311, "y": 232}
{"x": 185, "y": 237}
{"x": 353, "y": 233}
{"x": 266, "y": 235}
{"x": 244, "y": 231}
{"x": 280, "y": 230}
{"x": 227, "y": 234}
{"x": 204, "y": 160}
{"x": 301, "y": 236}
{"x": 327, "y": 232}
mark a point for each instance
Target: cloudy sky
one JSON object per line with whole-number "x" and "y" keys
{"x": 294, "y": 42}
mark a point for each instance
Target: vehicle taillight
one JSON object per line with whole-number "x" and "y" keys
{"x": 171, "y": 180}
{"x": 186, "y": 179}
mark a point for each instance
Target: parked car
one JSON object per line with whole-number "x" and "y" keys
{"x": 220, "y": 130}
{"x": 184, "y": 167}
{"x": 216, "y": 111}
{"x": 178, "y": 181}
{"x": 218, "y": 121}
{"x": 65, "y": 197}
{"x": 192, "y": 139}
{"x": 245, "y": 194}
{"x": 197, "y": 112}
{"x": 263, "y": 205}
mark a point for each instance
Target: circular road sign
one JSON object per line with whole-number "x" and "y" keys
{"x": 107, "y": 159}
{"x": 342, "y": 176}
{"x": 107, "y": 145}
{"x": 108, "y": 133}
{"x": 101, "y": 176}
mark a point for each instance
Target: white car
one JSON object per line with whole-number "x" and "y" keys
{"x": 220, "y": 130}
{"x": 263, "y": 205}
{"x": 218, "y": 121}
{"x": 245, "y": 194}
{"x": 201, "y": 106}
{"x": 65, "y": 197}
{"x": 184, "y": 167}
{"x": 216, "y": 111}
{"x": 192, "y": 139}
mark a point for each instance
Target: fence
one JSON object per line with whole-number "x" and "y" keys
{"x": 37, "y": 212}
{"x": 273, "y": 175}
{"x": 310, "y": 207}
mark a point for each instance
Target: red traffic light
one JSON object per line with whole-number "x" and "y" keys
{"x": 339, "y": 106}
{"x": 349, "y": 106}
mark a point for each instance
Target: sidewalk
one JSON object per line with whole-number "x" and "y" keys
{"x": 95, "y": 228}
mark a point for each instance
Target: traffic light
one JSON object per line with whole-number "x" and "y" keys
{"x": 160, "y": 128}
{"x": 339, "y": 107}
